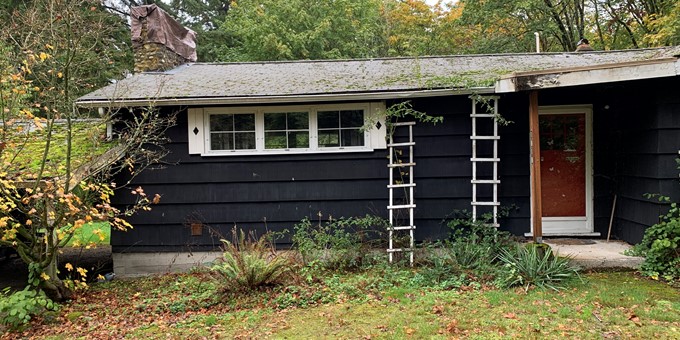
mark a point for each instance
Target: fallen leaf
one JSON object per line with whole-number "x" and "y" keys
{"x": 510, "y": 315}
{"x": 409, "y": 331}
{"x": 452, "y": 327}
{"x": 438, "y": 310}
{"x": 635, "y": 319}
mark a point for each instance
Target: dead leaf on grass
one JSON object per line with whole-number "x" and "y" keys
{"x": 409, "y": 331}
{"x": 438, "y": 310}
{"x": 510, "y": 315}
{"x": 635, "y": 319}
{"x": 452, "y": 327}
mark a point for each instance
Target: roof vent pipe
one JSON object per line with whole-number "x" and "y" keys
{"x": 538, "y": 42}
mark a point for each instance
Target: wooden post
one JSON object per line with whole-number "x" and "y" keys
{"x": 535, "y": 157}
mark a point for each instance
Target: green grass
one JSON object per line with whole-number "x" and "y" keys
{"x": 87, "y": 235}
{"x": 369, "y": 304}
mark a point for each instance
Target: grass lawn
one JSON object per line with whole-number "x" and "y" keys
{"x": 372, "y": 304}
{"x": 98, "y": 233}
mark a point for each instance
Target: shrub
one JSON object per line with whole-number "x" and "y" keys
{"x": 533, "y": 265}
{"x": 250, "y": 263}
{"x": 660, "y": 246}
{"x": 18, "y": 308}
{"x": 345, "y": 243}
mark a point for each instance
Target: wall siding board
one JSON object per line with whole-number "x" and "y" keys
{"x": 635, "y": 145}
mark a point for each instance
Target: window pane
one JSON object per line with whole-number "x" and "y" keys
{"x": 221, "y": 122}
{"x": 352, "y": 137}
{"x": 275, "y": 121}
{"x": 244, "y": 122}
{"x": 274, "y": 140}
{"x": 221, "y": 141}
{"x": 329, "y": 138}
{"x": 298, "y": 139}
{"x": 298, "y": 120}
{"x": 244, "y": 141}
{"x": 351, "y": 118}
{"x": 328, "y": 119}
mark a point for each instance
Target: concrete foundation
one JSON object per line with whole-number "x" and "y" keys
{"x": 142, "y": 264}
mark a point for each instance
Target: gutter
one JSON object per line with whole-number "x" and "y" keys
{"x": 311, "y": 98}
{"x": 575, "y": 76}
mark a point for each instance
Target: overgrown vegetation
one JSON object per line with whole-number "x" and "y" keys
{"x": 17, "y": 308}
{"x": 383, "y": 302}
{"x": 533, "y": 265}
{"x": 342, "y": 243}
{"x": 660, "y": 245}
{"x": 250, "y": 262}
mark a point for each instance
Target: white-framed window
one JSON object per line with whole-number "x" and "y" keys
{"x": 219, "y": 131}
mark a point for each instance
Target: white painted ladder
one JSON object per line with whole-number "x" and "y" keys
{"x": 489, "y": 103}
{"x": 407, "y": 203}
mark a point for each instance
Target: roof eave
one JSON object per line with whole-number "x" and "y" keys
{"x": 522, "y": 81}
{"x": 304, "y": 98}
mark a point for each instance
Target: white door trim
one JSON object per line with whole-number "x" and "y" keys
{"x": 573, "y": 225}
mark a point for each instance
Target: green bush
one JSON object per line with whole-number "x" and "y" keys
{"x": 250, "y": 262}
{"x": 18, "y": 308}
{"x": 533, "y": 265}
{"x": 661, "y": 246}
{"x": 344, "y": 243}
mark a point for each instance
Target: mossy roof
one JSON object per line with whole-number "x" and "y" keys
{"x": 323, "y": 77}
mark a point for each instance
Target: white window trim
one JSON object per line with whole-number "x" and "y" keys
{"x": 199, "y": 128}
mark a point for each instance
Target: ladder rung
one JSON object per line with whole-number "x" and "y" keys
{"x": 401, "y": 144}
{"x": 403, "y": 227}
{"x": 395, "y": 250}
{"x": 407, "y": 185}
{"x": 404, "y": 206}
{"x": 403, "y": 123}
{"x": 485, "y": 203}
{"x": 482, "y": 115}
{"x": 400, "y": 165}
{"x": 485, "y": 159}
{"x": 486, "y": 137}
{"x": 485, "y": 181}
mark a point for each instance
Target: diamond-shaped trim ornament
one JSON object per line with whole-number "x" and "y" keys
{"x": 378, "y": 125}
{"x": 195, "y": 131}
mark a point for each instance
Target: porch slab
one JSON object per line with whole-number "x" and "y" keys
{"x": 595, "y": 254}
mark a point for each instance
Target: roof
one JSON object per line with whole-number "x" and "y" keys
{"x": 261, "y": 82}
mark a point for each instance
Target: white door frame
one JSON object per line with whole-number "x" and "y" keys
{"x": 572, "y": 225}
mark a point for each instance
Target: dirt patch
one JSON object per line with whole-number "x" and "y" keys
{"x": 570, "y": 241}
{"x": 14, "y": 272}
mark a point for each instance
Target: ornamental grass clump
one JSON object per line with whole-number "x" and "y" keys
{"x": 533, "y": 265}
{"x": 251, "y": 262}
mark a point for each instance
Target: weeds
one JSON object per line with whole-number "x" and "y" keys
{"x": 250, "y": 263}
{"x": 534, "y": 266}
{"x": 344, "y": 243}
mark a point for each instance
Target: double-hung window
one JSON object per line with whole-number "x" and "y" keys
{"x": 215, "y": 131}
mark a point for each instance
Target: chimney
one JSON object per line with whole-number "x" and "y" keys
{"x": 159, "y": 42}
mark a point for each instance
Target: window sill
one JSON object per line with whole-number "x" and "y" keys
{"x": 285, "y": 152}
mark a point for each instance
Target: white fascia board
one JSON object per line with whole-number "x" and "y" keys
{"x": 585, "y": 76}
{"x": 282, "y": 99}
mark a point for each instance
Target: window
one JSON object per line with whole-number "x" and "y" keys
{"x": 232, "y": 132}
{"x": 218, "y": 131}
{"x": 286, "y": 130}
{"x": 341, "y": 128}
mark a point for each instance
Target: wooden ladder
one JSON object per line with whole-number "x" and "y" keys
{"x": 407, "y": 203}
{"x": 494, "y": 159}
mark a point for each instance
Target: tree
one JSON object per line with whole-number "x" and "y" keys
{"x": 303, "y": 29}
{"x": 55, "y": 169}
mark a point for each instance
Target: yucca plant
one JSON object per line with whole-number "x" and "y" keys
{"x": 535, "y": 266}
{"x": 251, "y": 262}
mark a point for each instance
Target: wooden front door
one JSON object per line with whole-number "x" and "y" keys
{"x": 565, "y": 163}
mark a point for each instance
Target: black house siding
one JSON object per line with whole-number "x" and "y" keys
{"x": 274, "y": 192}
{"x": 636, "y": 139}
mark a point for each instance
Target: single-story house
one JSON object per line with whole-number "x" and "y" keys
{"x": 262, "y": 145}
